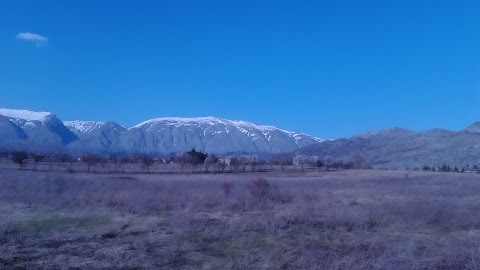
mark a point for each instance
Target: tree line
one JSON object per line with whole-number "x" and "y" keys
{"x": 190, "y": 161}
{"x": 448, "y": 168}
{"x": 91, "y": 161}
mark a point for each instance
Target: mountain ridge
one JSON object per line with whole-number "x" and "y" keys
{"x": 165, "y": 135}
{"x": 393, "y": 148}
{"x": 399, "y": 148}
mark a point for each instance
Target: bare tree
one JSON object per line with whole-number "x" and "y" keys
{"x": 302, "y": 164}
{"x": 319, "y": 164}
{"x": 122, "y": 162}
{"x": 243, "y": 163}
{"x": 260, "y": 163}
{"x": 103, "y": 162}
{"x": 235, "y": 163}
{"x": 147, "y": 162}
{"x": 51, "y": 159}
{"x": 284, "y": 160}
{"x": 19, "y": 158}
{"x": 183, "y": 161}
{"x": 135, "y": 158}
{"x": 357, "y": 161}
{"x": 221, "y": 164}
{"x": 64, "y": 158}
{"x": 253, "y": 164}
{"x": 36, "y": 159}
{"x": 116, "y": 162}
{"x": 209, "y": 161}
{"x": 91, "y": 160}
{"x": 328, "y": 161}
{"x": 194, "y": 161}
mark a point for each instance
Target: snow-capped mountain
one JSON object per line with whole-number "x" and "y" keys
{"x": 390, "y": 148}
{"x": 95, "y": 137}
{"x": 209, "y": 134}
{"x": 24, "y": 129}
{"x": 43, "y": 131}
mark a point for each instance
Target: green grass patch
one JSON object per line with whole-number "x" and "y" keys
{"x": 59, "y": 223}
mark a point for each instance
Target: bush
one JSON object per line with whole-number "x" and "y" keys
{"x": 227, "y": 188}
{"x": 259, "y": 188}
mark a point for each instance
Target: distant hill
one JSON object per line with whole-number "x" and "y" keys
{"x": 402, "y": 148}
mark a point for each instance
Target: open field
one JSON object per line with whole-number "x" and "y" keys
{"x": 362, "y": 219}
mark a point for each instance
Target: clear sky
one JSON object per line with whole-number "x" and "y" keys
{"x": 328, "y": 68}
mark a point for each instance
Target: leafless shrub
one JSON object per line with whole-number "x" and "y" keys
{"x": 278, "y": 196}
{"x": 240, "y": 203}
{"x": 227, "y": 187}
{"x": 348, "y": 218}
{"x": 259, "y": 188}
{"x": 118, "y": 199}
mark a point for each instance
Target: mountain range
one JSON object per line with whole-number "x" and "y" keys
{"x": 43, "y": 131}
{"x": 395, "y": 148}
{"x": 399, "y": 148}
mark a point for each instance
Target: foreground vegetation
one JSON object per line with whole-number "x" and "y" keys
{"x": 358, "y": 219}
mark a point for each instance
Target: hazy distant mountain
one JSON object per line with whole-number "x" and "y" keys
{"x": 209, "y": 134}
{"x": 36, "y": 131}
{"x": 42, "y": 131}
{"x": 401, "y": 148}
{"x": 95, "y": 137}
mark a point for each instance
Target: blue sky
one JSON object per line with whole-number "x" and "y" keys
{"x": 327, "y": 68}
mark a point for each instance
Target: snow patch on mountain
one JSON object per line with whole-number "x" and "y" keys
{"x": 180, "y": 121}
{"x": 26, "y": 115}
{"x": 83, "y": 126}
{"x": 156, "y": 136}
{"x": 245, "y": 127}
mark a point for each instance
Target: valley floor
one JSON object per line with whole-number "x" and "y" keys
{"x": 365, "y": 219}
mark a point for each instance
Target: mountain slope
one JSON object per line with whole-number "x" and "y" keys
{"x": 95, "y": 137}
{"x": 38, "y": 131}
{"x": 400, "y": 148}
{"x": 209, "y": 134}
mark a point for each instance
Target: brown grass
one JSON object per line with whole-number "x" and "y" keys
{"x": 329, "y": 220}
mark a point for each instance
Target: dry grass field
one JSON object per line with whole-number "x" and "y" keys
{"x": 365, "y": 219}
